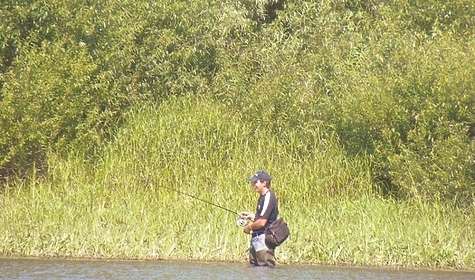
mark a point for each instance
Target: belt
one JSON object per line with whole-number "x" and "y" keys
{"x": 256, "y": 233}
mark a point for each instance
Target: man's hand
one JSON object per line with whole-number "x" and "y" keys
{"x": 247, "y": 216}
{"x": 247, "y": 229}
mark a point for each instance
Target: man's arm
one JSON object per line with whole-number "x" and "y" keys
{"x": 259, "y": 224}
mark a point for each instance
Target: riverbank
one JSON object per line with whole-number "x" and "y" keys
{"x": 115, "y": 205}
{"x": 143, "y": 224}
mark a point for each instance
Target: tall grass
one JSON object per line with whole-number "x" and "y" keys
{"x": 384, "y": 233}
{"x": 116, "y": 207}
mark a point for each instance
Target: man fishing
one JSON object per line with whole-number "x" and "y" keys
{"x": 261, "y": 254}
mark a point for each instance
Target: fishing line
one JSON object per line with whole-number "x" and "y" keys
{"x": 240, "y": 222}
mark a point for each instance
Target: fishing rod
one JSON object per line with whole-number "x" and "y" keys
{"x": 240, "y": 222}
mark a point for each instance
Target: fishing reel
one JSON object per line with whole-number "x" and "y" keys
{"x": 241, "y": 222}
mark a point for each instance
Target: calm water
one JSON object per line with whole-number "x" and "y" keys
{"x": 78, "y": 269}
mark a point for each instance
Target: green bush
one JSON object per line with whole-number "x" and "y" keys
{"x": 70, "y": 75}
{"x": 392, "y": 81}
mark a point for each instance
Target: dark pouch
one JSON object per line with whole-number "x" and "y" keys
{"x": 276, "y": 233}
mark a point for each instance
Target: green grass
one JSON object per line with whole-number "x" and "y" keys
{"x": 115, "y": 206}
{"x": 384, "y": 233}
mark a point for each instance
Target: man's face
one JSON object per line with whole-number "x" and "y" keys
{"x": 258, "y": 185}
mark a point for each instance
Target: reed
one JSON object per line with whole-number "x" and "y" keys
{"x": 115, "y": 206}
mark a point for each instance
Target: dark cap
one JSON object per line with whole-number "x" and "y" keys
{"x": 260, "y": 175}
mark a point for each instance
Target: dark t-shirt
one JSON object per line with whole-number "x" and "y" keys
{"x": 267, "y": 207}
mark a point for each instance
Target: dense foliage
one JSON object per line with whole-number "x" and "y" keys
{"x": 393, "y": 80}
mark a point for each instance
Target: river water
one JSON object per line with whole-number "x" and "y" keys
{"x": 102, "y": 269}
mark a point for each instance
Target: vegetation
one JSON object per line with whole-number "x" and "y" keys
{"x": 117, "y": 206}
{"x": 361, "y": 110}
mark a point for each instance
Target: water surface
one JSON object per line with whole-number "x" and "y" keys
{"x": 103, "y": 269}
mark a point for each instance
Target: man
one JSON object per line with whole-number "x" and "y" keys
{"x": 267, "y": 211}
